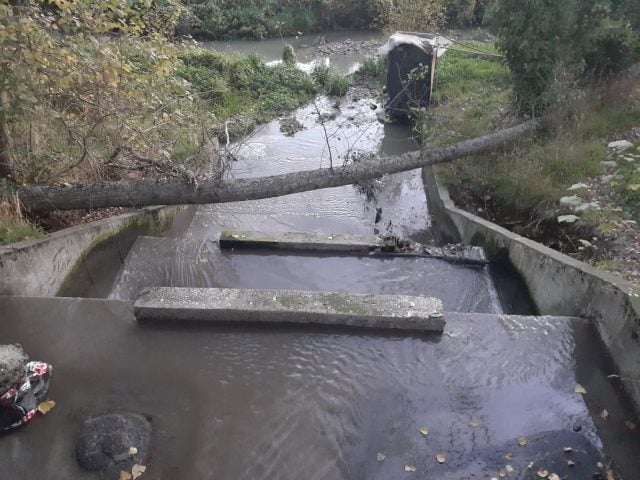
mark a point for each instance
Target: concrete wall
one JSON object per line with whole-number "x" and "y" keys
{"x": 39, "y": 267}
{"x": 558, "y": 284}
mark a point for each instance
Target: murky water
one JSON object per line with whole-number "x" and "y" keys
{"x": 321, "y": 404}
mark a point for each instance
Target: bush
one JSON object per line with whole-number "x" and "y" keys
{"x": 289, "y": 57}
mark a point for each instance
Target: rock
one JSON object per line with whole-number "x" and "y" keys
{"x": 12, "y": 366}
{"x": 620, "y": 145}
{"x": 104, "y": 443}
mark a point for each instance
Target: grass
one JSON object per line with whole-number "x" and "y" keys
{"x": 527, "y": 180}
{"x": 374, "y": 69}
{"x": 14, "y": 227}
{"x": 328, "y": 79}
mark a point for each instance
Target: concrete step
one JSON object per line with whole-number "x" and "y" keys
{"x": 357, "y": 244}
{"x": 290, "y": 306}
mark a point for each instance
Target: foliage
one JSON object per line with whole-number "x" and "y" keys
{"x": 465, "y": 12}
{"x": 328, "y": 79}
{"x": 548, "y": 44}
{"x": 289, "y": 57}
{"x": 232, "y": 83}
{"x": 527, "y": 184}
{"x": 415, "y": 15}
{"x": 375, "y": 69}
{"x": 14, "y": 226}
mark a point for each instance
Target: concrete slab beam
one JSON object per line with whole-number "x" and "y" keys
{"x": 229, "y": 305}
{"x": 356, "y": 244}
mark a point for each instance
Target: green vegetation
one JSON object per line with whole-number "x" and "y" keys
{"x": 523, "y": 186}
{"x": 14, "y": 226}
{"x": 374, "y": 69}
{"x": 549, "y": 45}
{"x": 93, "y": 91}
{"x": 223, "y": 19}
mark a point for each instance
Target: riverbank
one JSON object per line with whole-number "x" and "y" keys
{"x": 565, "y": 189}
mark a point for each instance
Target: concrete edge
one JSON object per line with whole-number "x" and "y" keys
{"x": 40, "y": 267}
{"x": 558, "y": 284}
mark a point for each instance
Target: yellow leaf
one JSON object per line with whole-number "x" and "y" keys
{"x": 522, "y": 441}
{"x": 634, "y": 187}
{"x": 409, "y": 468}
{"x": 441, "y": 457}
{"x": 137, "y": 471}
{"x": 543, "y": 473}
{"x": 133, "y": 451}
{"x": 125, "y": 475}
{"x": 580, "y": 389}
{"x": 610, "y": 475}
{"x": 45, "y": 407}
{"x": 424, "y": 431}
{"x": 554, "y": 476}
{"x": 508, "y": 456}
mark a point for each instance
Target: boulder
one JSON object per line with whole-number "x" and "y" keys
{"x": 105, "y": 443}
{"x": 12, "y": 366}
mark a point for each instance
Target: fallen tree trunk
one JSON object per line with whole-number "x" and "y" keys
{"x": 177, "y": 191}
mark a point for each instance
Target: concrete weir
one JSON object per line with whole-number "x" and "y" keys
{"x": 228, "y": 305}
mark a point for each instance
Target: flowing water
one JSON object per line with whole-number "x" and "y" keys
{"x": 288, "y": 403}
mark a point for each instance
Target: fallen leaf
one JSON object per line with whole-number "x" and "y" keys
{"x": 441, "y": 457}
{"x": 125, "y": 475}
{"x": 133, "y": 451}
{"x": 508, "y": 456}
{"x": 45, "y": 407}
{"x": 530, "y": 466}
{"x": 409, "y": 468}
{"x": 610, "y": 475}
{"x": 571, "y": 463}
{"x": 502, "y": 473}
{"x": 509, "y": 468}
{"x": 630, "y": 425}
{"x": 543, "y": 473}
{"x": 567, "y": 449}
{"x": 600, "y": 465}
{"x": 381, "y": 456}
{"x": 554, "y": 476}
{"x": 474, "y": 423}
{"x": 424, "y": 431}
{"x": 522, "y": 441}
{"x": 604, "y": 414}
{"x": 137, "y": 471}
{"x": 580, "y": 389}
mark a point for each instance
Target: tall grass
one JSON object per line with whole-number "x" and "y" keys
{"x": 14, "y": 226}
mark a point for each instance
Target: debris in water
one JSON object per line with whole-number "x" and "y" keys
{"x": 137, "y": 471}
{"x": 571, "y": 463}
{"x": 46, "y": 407}
{"x": 474, "y": 423}
{"x": 424, "y": 431}
{"x": 381, "y": 456}
{"x": 409, "y": 468}
{"x": 543, "y": 473}
{"x": 554, "y": 476}
{"x": 630, "y": 425}
{"x": 124, "y": 475}
{"x": 604, "y": 415}
{"x": 441, "y": 457}
{"x": 522, "y": 441}
{"x": 567, "y": 449}
{"x": 133, "y": 451}
{"x": 508, "y": 456}
{"x": 509, "y": 468}
{"x": 20, "y": 402}
{"x": 580, "y": 389}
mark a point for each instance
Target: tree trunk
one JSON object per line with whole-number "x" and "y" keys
{"x": 175, "y": 191}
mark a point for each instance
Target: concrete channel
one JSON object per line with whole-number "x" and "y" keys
{"x": 491, "y": 394}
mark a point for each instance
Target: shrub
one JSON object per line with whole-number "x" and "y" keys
{"x": 289, "y": 56}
